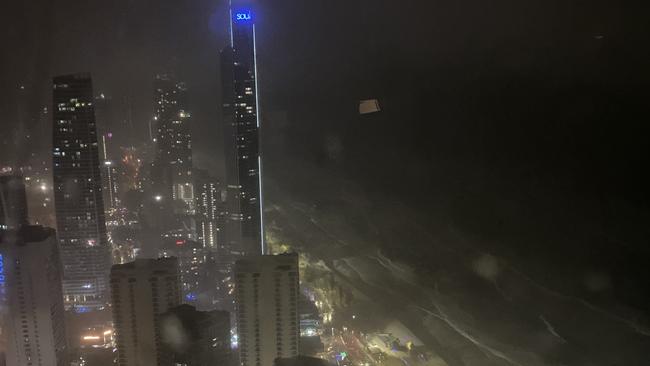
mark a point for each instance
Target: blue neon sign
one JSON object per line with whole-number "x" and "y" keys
{"x": 242, "y": 16}
{"x": 2, "y": 279}
{"x": 2, "y": 270}
{"x": 81, "y": 309}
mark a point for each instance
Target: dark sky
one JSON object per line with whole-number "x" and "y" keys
{"x": 547, "y": 82}
{"x": 469, "y": 68}
{"x": 499, "y": 100}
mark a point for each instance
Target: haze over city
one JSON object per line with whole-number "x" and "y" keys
{"x": 331, "y": 183}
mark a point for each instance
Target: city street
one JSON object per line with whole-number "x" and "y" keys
{"x": 350, "y": 347}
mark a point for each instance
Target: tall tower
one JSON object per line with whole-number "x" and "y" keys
{"x": 31, "y": 302}
{"x": 85, "y": 251}
{"x": 266, "y": 293}
{"x": 209, "y": 209}
{"x": 244, "y": 228}
{"x": 173, "y": 161}
{"x": 141, "y": 291}
{"x": 108, "y": 148}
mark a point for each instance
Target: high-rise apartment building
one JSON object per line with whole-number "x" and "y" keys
{"x": 13, "y": 202}
{"x": 266, "y": 299}
{"x": 31, "y": 299}
{"x": 241, "y": 125}
{"x": 85, "y": 251}
{"x": 209, "y": 210}
{"x": 196, "y": 338}
{"x": 172, "y": 170}
{"x": 141, "y": 291}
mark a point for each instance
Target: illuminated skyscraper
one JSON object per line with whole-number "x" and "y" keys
{"x": 173, "y": 161}
{"x": 108, "y": 148}
{"x": 244, "y": 227}
{"x": 110, "y": 175}
{"x": 209, "y": 210}
{"x": 85, "y": 251}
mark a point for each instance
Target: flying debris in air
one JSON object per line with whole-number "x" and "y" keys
{"x": 369, "y": 106}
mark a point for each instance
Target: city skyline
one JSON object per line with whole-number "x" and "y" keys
{"x": 367, "y": 183}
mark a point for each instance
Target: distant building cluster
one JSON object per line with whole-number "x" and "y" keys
{"x": 154, "y": 261}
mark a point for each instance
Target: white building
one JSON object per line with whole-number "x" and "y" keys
{"x": 141, "y": 291}
{"x": 266, "y": 297}
{"x": 31, "y": 297}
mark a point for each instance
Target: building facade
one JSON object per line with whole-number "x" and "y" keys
{"x": 172, "y": 170}
{"x": 241, "y": 128}
{"x": 31, "y": 299}
{"x": 78, "y": 197}
{"x": 210, "y": 205}
{"x": 13, "y": 202}
{"x": 106, "y": 117}
{"x": 196, "y": 338}
{"x": 266, "y": 299}
{"x": 110, "y": 174}
{"x": 141, "y": 291}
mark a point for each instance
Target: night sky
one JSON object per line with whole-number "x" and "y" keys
{"x": 524, "y": 123}
{"x": 549, "y": 84}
